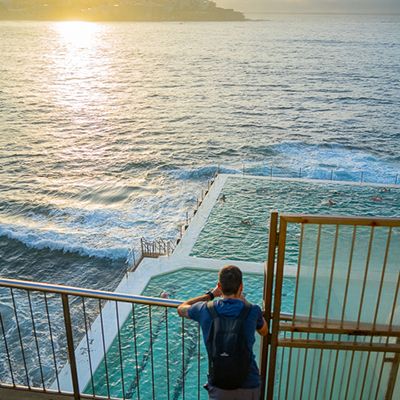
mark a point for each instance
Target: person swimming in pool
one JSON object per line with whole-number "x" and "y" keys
{"x": 164, "y": 294}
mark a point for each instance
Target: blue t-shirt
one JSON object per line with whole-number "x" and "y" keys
{"x": 232, "y": 308}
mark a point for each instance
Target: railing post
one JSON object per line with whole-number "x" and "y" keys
{"x": 331, "y": 174}
{"x": 300, "y": 173}
{"x": 362, "y": 177}
{"x": 393, "y": 375}
{"x": 397, "y": 177}
{"x": 281, "y": 240}
{"x": 267, "y": 298}
{"x": 70, "y": 346}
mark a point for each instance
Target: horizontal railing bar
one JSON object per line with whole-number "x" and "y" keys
{"x": 101, "y": 294}
{"x": 300, "y": 319}
{"x": 303, "y": 323}
{"x": 10, "y": 392}
{"x": 91, "y": 293}
{"x": 335, "y": 328}
{"x": 336, "y": 345}
{"x": 339, "y": 220}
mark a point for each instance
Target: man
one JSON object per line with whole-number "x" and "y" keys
{"x": 231, "y": 306}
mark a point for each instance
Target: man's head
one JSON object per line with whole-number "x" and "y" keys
{"x": 230, "y": 280}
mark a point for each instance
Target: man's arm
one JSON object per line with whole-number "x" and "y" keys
{"x": 183, "y": 309}
{"x": 263, "y": 331}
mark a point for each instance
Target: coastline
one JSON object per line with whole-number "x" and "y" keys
{"x": 122, "y": 13}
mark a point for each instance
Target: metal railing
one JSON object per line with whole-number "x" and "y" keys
{"x": 115, "y": 357}
{"x": 199, "y": 201}
{"x": 329, "y": 174}
{"x": 152, "y": 249}
{"x": 345, "y": 318}
{"x": 156, "y": 248}
{"x": 340, "y": 338}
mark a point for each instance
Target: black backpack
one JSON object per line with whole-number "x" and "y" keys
{"x": 229, "y": 357}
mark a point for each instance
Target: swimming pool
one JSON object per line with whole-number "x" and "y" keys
{"x": 144, "y": 362}
{"x": 237, "y": 228}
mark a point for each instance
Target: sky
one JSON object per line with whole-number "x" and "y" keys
{"x": 359, "y": 6}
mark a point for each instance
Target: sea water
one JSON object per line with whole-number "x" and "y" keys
{"x": 109, "y": 131}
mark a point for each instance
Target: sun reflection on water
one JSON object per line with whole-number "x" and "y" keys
{"x": 77, "y": 33}
{"x": 79, "y": 66}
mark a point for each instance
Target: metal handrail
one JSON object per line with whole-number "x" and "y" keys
{"x": 113, "y": 313}
{"x": 156, "y": 248}
{"x": 340, "y": 220}
{"x": 246, "y": 169}
{"x": 90, "y": 293}
{"x": 323, "y": 330}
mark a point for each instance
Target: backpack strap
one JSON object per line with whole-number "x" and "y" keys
{"x": 245, "y": 311}
{"x": 242, "y": 316}
{"x": 211, "y": 309}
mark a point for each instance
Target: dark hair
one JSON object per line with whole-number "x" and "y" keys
{"x": 230, "y": 278}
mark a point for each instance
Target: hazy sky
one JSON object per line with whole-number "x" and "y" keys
{"x": 312, "y": 5}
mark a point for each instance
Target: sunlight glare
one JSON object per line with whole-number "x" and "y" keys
{"x": 77, "y": 33}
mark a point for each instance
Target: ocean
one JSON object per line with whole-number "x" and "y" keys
{"x": 109, "y": 131}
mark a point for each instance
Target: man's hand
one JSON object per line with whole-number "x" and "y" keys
{"x": 183, "y": 309}
{"x": 217, "y": 292}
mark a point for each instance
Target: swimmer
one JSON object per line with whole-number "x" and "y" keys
{"x": 384, "y": 190}
{"x": 222, "y": 198}
{"x": 164, "y": 295}
{"x": 329, "y": 203}
{"x": 246, "y": 222}
{"x": 377, "y": 199}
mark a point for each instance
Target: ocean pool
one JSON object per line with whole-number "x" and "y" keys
{"x": 238, "y": 228}
{"x": 145, "y": 360}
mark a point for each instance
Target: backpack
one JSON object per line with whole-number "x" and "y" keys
{"x": 229, "y": 357}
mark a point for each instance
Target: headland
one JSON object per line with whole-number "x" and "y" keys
{"x": 120, "y": 10}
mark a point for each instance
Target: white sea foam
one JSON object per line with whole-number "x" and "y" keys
{"x": 101, "y": 232}
{"x": 204, "y": 173}
{"x": 319, "y": 162}
{"x": 65, "y": 242}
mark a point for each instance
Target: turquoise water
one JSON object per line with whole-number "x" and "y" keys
{"x": 237, "y": 229}
{"x": 182, "y": 284}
